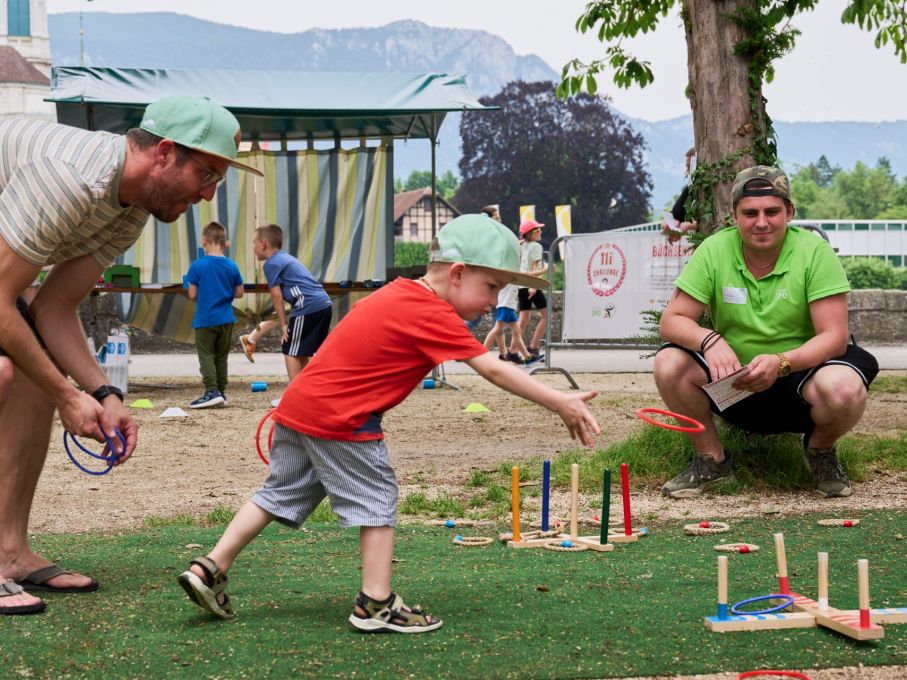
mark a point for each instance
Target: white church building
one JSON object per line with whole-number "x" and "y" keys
{"x": 24, "y": 59}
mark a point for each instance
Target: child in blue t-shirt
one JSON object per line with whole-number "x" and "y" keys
{"x": 214, "y": 281}
{"x": 310, "y": 306}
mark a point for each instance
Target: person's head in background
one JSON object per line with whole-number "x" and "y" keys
{"x": 267, "y": 240}
{"x": 214, "y": 238}
{"x": 492, "y": 211}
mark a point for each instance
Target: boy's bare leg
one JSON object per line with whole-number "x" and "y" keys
{"x": 294, "y": 365}
{"x": 245, "y": 526}
{"x": 517, "y": 340}
{"x": 377, "y": 546}
{"x": 521, "y": 323}
{"x": 261, "y": 329}
{"x": 539, "y": 332}
{"x": 494, "y": 335}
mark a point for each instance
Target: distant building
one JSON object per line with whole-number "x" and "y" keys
{"x": 24, "y": 59}
{"x": 412, "y": 215}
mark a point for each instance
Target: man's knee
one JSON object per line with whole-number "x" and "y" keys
{"x": 840, "y": 391}
{"x": 673, "y": 366}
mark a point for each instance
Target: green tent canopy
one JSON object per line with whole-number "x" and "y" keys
{"x": 270, "y": 105}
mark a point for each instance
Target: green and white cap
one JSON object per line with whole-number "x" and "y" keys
{"x": 773, "y": 180}
{"x": 197, "y": 123}
{"x": 480, "y": 241}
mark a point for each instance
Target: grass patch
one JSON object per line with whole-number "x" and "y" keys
{"x": 890, "y": 384}
{"x": 155, "y": 521}
{"x": 220, "y": 515}
{"x": 442, "y": 506}
{"x": 508, "y": 613}
{"x": 323, "y": 513}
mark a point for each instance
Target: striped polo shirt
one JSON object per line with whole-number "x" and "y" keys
{"x": 58, "y": 193}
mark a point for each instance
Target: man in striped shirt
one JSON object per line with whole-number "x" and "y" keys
{"x": 77, "y": 200}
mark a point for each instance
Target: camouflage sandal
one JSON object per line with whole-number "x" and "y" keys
{"x": 205, "y": 592}
{"x": 391, "y": 616}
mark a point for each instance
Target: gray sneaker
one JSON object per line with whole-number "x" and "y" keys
{"x": 828, "y": 476}
{"x": 703, "y": 473}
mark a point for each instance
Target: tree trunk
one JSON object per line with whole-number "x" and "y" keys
{"x": 723, "y": 119}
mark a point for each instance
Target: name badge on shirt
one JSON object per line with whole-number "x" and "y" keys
{"x": 735, "y": 296}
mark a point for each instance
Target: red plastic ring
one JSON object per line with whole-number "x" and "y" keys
{"x": 695, "y": 425}
{"x": 783, "y": 674}
{"x": 258, "y": 436}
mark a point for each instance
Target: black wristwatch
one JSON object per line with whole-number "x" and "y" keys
{"x": 105, "y": 391}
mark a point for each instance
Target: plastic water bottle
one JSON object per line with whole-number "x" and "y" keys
{"x": 116, "y": 363}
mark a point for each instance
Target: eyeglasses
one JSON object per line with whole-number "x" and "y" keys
{"x": 210, "y": 177}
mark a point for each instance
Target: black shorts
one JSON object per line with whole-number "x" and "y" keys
{"x": 527, "y": 303}
{"x": 781, "y": 408}
{"x": 22, "y": 306}
{"x": 306, "y": 333}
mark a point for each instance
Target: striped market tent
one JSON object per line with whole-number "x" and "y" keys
{"x": 334, "y": 204}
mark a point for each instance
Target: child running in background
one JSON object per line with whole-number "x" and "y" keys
{"x": 310, "y": 306}
{"x": 328, "y": 439}
{"x": 214, "y": 282}
{"x": 506, "y": 317}
{"x": 249, "y": 341}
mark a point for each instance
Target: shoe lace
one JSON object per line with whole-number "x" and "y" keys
{"x": 828, "y": 467}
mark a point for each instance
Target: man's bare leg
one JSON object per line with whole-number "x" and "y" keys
{"x": 679, "y": 380}
{"x": 25, "y": 421}
{"x": 837, "y": 398}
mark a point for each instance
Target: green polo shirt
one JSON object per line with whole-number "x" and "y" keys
{"x": 768, "y": 315}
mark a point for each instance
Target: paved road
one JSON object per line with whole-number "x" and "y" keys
{"x": 574, "y": 361}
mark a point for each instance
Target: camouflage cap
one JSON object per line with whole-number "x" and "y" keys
{"x": 780, "y": 185}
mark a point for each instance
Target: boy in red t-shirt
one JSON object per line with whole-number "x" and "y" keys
{"x": 328, "y": 439}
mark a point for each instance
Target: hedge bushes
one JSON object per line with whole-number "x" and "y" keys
{"x": 872, "y": 272}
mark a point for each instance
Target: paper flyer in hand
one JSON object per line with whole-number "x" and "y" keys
{"x": 722, "y": 391}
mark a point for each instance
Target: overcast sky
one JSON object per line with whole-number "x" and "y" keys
{"x": 834, "y": 73}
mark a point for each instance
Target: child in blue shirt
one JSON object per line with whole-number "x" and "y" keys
{"x": 310, "y": 306}
{"x": 214, "y": 281}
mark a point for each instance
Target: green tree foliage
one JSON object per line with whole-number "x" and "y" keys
{"x": 543, "y": 151}
{"x": 410, "y": 253}
{"x": 756, "y": 31}
{"x": 863, "y": 193}
{"x": 446, "y": 184}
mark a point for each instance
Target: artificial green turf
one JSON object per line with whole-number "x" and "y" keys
{"x": 508, "y": 613}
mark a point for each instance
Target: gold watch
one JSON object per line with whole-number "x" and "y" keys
{"x": 784, "y": 366}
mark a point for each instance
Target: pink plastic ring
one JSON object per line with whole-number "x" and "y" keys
{"x": 258, "y": 436}
{"x": 695, "y": 425}
{"x": 782, "y": 674}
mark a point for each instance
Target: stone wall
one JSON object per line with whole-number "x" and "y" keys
{"x": 877, "y": 317}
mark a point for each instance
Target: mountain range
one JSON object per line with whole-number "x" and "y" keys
{"x": 488, "y": 61}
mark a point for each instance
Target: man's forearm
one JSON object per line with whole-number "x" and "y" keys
{"x": 816, "y": 350}
{"x": 20, "y": 343}
{"x": 62, "y": 331}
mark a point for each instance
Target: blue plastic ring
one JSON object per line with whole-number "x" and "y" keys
{"x": 110, "y": 460}
{"x": 788, "y": 601}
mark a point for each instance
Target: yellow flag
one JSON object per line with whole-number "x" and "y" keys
{"x": 562, "y": 219}
{"x": 527, "y": 212}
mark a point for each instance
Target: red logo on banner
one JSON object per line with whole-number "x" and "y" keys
{"x": 606, "y": 269}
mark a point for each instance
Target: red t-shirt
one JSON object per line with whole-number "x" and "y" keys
{"x": 372, "y": 360}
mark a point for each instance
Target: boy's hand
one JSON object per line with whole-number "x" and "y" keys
{"x": 581, "y": 424}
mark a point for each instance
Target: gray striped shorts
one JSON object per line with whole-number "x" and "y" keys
{"x": 356, "y": 477}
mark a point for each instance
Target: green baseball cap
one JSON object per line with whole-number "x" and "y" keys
{"x": 480, "y": 241}
{"x": 780, "y": 185}
{"x": 197, "y": 123}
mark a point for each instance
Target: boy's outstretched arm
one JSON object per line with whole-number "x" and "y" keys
{"x": 571, "y": 407}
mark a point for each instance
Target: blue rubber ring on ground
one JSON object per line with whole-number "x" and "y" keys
{"x": 110, "y": 460}
{"x": 788, "y": 601}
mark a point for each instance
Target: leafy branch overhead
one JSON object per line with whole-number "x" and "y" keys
{"x": 732, "y": 46}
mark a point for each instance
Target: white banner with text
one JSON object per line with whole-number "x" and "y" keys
{"x": 611, "y": 277}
